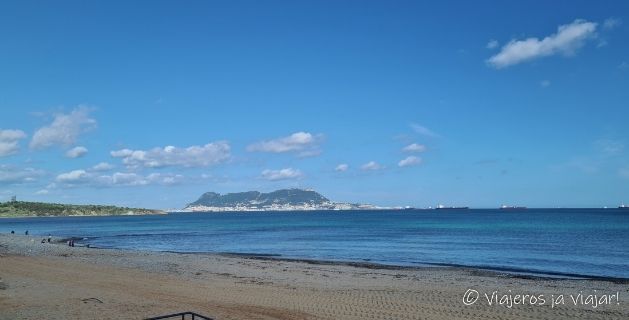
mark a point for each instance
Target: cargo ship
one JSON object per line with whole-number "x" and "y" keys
{"x": 442, "y": 207}
{"x": 505, "y": 207}
{"x": 623, "y": 206}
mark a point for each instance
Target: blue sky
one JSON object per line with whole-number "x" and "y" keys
{"x": 151, "y": 103}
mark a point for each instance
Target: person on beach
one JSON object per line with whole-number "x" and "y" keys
{"x": 49, "y": 238}
{"x": 26, "y": 232}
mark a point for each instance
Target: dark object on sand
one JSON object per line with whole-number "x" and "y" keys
{"x": 12, "y": 232}
{"x": 86, "y": 300}
{"x": 182, "y": 316}
{"x": 26, "y": 232}
{"x": 43, "y": 240}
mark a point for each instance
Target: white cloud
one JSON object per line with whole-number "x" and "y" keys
{"x": 609, "y": 147}
{"x": 64, "y": 129}
{"x": 11, "y": 135}
{"x": 122, "y": 153}
{"x": 611, "y": 23}
{"x": 134, "y": 179}
{"x": 371, "y": 166}
{"x": 423, "y": 130}
{"x": 492, "y": 44}
{"x": 306, "y": 144}
{"x": 73, "y": 177}
{"x": 544, "y": 83}
{"x": 409, "y": 161}
{"x": 586, "y": 165}
{"x": 84, "y": 177}
{"x": 76, "y": 152}
{"x": 283, "y": 174}
{"x": 342, "y": 167}
{"x": 309, "y": 153}
{"x": 9, "y": 140}
{"x": 194, "y": 156}
{"x": 102, "y": 166}
{"x": 414, "y": 147}
{"x": 42, "y": 192}
{"x": 566, "y": 41}
{"x": 15, "y": 175}
{"x": 124, "y": 179}
{"x": 165, "y": 179}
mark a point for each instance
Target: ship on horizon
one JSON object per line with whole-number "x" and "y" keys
{"x": 442, "y": 207}
{"x": 506, "y": 207}
{"x": 623, "y": 206}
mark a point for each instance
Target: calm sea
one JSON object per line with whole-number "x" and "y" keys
{"x": 590, "y": 242}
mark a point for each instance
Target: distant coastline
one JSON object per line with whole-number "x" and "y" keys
{"x": 278, "y": 200}
{"x": 15, "y": 209}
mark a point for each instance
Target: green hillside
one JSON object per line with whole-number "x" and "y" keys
{"x": 40, "y": 209}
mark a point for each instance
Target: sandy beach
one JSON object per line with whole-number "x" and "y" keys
{"x": 54, "y": 281}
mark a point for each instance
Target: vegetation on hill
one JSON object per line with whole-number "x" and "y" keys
{"x": 41, "y": 209}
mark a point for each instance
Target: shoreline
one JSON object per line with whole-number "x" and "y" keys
{"x": 54, "y": 281}
{"x": 502, "y": 271}
{"x": 497, "y": 271}
{"x": 84, "y": 215}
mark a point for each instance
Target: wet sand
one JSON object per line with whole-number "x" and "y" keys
{"x": 54, "y": 281}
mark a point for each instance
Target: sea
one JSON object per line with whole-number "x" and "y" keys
{"x": 549, "y": 242}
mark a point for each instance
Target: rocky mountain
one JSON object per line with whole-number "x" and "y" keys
{"x": 255, "y": 199}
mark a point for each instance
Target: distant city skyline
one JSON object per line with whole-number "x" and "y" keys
{"x": 151, "y": 104}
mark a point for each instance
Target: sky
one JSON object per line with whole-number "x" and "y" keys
{"x": 152, "y": 103}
